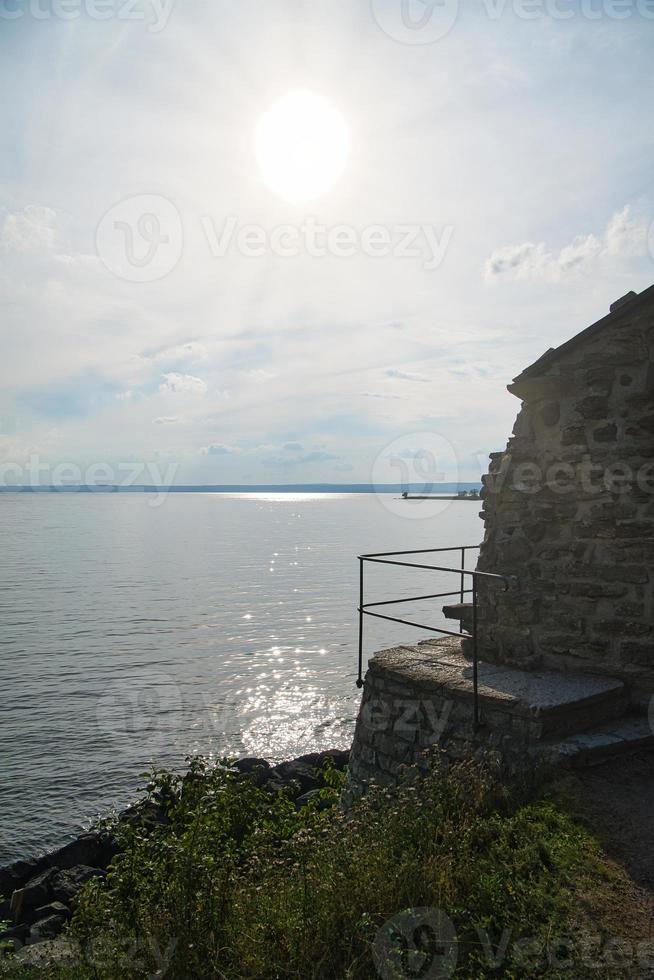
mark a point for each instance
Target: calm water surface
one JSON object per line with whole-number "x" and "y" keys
{"x": 215, "y": 624}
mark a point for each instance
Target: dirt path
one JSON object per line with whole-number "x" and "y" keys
{"x": 617, "y": 800}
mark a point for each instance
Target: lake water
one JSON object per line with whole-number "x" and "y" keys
{"x": 213, "y": 623}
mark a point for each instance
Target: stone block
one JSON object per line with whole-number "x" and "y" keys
{"x": 606, "y": 433}
{"x": 593, "y": 407}
{"x": 638, "y": 652}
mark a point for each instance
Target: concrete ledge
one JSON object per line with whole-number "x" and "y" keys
{"x": 558, "y": 702}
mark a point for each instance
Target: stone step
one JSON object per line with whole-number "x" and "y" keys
{"x": 461, "y": 611}
{"x": 538, "y": 704}
{"x": 620, "y": 737}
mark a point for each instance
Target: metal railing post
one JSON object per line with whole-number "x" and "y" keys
{"x": 475, "y": 671}
{"x": 463, "y": 565}
{"x": 360, "y": 677}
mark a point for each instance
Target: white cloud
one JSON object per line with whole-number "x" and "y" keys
{"x": 284, "y": 462}
{"x": 190, "y": 352}
{"x": 167, "y": 420}
{"x": 218, "y": 449}
{"x": 383, "y": 395}
{"x": 398, "y": 375}
{"x": 624, "y": 236}
{"x": 30, "y": 230}
{"x": 182, "y": 384}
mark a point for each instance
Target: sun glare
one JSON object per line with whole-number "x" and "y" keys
{"x": 301, "y": 144}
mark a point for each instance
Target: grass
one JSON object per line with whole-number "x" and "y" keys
{"x": 241, "y": 885}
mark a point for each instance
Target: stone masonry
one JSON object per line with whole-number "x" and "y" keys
{"x": 569, "y": 508}
{"x": 417, "y": 699}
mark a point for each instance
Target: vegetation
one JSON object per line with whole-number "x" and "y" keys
{"x": 239, "y": 884}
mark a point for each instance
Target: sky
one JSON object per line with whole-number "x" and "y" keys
{"x": 181, "y": 302}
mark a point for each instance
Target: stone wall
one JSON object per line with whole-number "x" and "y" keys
{"x": 569, "y": 509}
{"x": 417, "y": 701}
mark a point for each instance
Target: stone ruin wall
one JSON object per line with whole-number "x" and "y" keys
{"x": 579, "y": 539}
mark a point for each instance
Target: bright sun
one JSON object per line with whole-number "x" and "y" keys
{"x": 302, "y": 146}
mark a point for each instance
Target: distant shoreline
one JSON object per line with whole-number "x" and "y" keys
{"x": 426, "y": 490}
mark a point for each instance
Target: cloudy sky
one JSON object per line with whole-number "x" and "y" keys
{"x": 178, "y": 290}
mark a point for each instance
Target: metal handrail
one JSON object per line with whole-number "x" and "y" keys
{"x": 387, "y": 558}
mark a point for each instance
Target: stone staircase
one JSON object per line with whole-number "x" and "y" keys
{"x": 419, "y": 696}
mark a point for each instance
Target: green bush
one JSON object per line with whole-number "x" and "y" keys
{"x": 240, "y": 884}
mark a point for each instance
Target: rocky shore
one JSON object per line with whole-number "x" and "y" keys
{"x": 37, "y": 895}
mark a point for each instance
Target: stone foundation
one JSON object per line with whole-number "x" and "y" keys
{"x": 418, "y": 698}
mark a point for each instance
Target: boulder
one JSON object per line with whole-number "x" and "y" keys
{"x": 312, "y": 796}
{"x": 306, "y": 770}
{"x": 15, "y": 875}
{"x": 302, "y": 774}
{"x": 339, "y": 758}
{"x": 67, "y": 883}
{"x": 53, "y": 908}
{"x": 258, "y": 769}
{"x": 16, "y": 936}
{"x": 146, "y": 813}
{"x": 48, "y": 928}
{"x": 95, "y": 850}
{"x": 52, "y": 952}
{"x": 26, "y": 900}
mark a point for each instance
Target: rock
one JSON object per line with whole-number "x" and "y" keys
{"x": 26, "y": 900}
{"x": 306, "y": 770}
{"x": 53, "y": 908}
{"x": 258, "y": 769}
{"x": 146, "y": 812}
{"x": 17, "y": 936}
{"x": 49, "y": 953}
{"x": 67, "y": 883}
{"x": 95, "y": 850}
{"x": 48, "y": 928}
{"x": 279, "y": 785}
{"x": 302, "y": 773}
{"x": 307, "y": 798}
{"x": 15, "y": 875}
